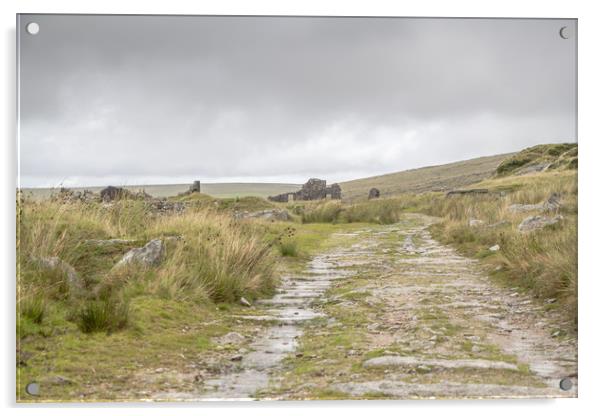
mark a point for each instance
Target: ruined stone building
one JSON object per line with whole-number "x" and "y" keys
{"x": 314, "y": 189}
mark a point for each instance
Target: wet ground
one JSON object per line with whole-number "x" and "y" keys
{"x": 391, "y": 313}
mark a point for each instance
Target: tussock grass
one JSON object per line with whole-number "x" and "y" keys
{"x": 327, "y": 211}
{"x": 382, "y": 211}
{"x": 33, "y": 307}
{"x": 101, "y": 315}
{"x": 213, "y": 259}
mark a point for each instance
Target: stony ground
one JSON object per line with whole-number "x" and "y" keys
{"x": 391, "y": 313}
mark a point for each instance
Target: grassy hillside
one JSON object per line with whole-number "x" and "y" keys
{"x": 539, "y": 158}
{"x": 432, "y": 178}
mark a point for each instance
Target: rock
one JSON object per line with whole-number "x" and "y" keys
{"x": 112, "y": 241}
{"x": 75, "y": 284}
{"x": 494, "y": 248}
{"x": 57, "y": 380}
{"x": 231, "y": 338}
{"x": 373, "y": 327}
{"x": 423, "y": 369}
{"x": 397, "y": 361}
{"x": 236, "y": 358}
{"x": 467, "y": 192}
{"x": 552, "y": 204}
{"x": 537, "y": 222}
{"x": 499, "y": 224}
{"x": 518, "y": 208}
{"x": 475, "y": 223}
{"x": 149, "y": 255}
{"x": 268, "y": 214}
{"x": 245, "y": 302}
{"x": 163, "y": 206}
{"x": 112, "y": 193}
{"x": 373, "y": 193}
{"x": 540, "y": 167}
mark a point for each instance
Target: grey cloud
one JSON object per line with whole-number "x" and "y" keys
{"x": 134, "y": 98}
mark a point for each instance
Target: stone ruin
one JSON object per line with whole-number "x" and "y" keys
{"x": 374, "y": 193}
{"x": 314, "y": 189}
{"x": 194, "y": 188}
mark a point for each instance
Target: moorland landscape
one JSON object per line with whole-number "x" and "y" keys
{"x": 457, "y": 280}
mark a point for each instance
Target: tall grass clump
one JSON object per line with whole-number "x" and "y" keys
{"x": 220, "y": 259}
{"x": 212, "y": 258}
{"x": 381, "y": 211}
{"x": 33, "y": 307}
{"x": 288, "y": 248}
{"x": 105, "y": 314}
{"x": 327, "y": 212}
{"x": 384, "y": 211}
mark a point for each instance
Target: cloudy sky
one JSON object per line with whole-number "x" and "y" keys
{"x": 140, "y": 100}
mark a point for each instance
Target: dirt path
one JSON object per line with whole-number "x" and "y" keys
{"x": 391, "y": 313}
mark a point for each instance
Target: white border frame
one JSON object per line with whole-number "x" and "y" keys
{"x": 590, "y": 138}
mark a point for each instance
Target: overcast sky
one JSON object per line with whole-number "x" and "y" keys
{"x": 140, "y": 100}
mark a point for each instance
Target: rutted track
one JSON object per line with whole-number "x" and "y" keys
{"x": 433, "y": 326}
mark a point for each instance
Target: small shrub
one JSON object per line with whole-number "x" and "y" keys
{"x": 102, "y": 315}
{"x": 33, "y": 308}
{"x": 288, "y": 248}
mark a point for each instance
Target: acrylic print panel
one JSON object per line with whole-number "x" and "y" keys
{"x": 214, "y": 207}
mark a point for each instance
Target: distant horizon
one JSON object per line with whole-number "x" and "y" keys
{"x": 185, "y": 183}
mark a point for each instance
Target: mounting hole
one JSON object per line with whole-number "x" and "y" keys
{"x": 566, "y": 384}
{"x": 32, "y": 28}
{"x": 33, "y": 389}
{"x": 565, "y": 32}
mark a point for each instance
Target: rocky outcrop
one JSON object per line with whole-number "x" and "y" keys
{"x": 550, "y": 205}
{"x": 374, "y": 193}
{"x": 537, "y": 222}
{"x": 149, "y": 255}
{"x": 113, "y": 193}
